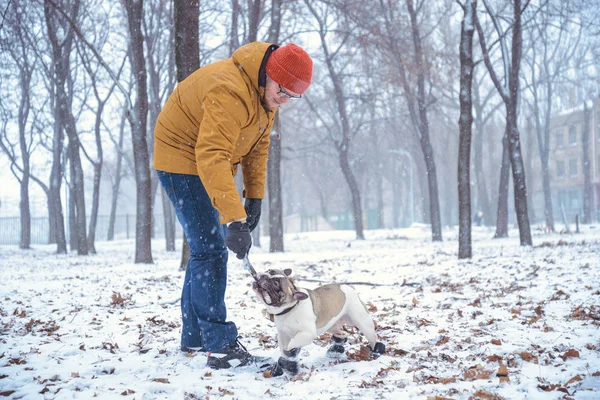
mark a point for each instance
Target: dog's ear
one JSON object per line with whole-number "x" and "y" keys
{"x": 300, "y": 296}
{"x": 287, "y": 271}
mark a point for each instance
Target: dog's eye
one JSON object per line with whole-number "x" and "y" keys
{"x": 276, "y": 284}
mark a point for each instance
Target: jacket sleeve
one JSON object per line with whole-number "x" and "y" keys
{"x": 254, "y": 168}
{"x": 224, "y": 115}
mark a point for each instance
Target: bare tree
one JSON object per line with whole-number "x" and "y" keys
{"x": 254, "y": 17}
{"x": 274, "y": 160}
{"x": 61, "y": 49}
{"x": 465, "y": 123}
{"x": 161, "y": 80}
{"x": 118, "y": 173}
{"x": 588, "y": 194}
{"x": 16, "y": 42}
{"x": 554, "y": 39}
{"x": 187, "y": 60}
{"x": 511, "y": 142}
{"x": 138, "y": 120}
{"x": 385, "y": 28}
{"x": 97, "y": 162}
{"x": 343, "y": 144}
{"x": 483, "y": 113}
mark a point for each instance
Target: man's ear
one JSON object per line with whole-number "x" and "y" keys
{"x": 287, "y": 271}
{"x": 300, "y": 296}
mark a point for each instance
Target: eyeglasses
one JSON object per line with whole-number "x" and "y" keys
{"x": 284, "y": 93}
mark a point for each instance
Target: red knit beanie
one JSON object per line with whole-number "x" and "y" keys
{"x": 291, "y": 67}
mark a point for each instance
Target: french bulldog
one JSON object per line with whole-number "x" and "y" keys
{"x": 301, "y": 315}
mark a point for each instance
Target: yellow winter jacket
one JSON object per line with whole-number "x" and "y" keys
{"x": 213, "y": 121}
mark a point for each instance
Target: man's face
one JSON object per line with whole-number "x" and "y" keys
{"x": 276, "y": 95}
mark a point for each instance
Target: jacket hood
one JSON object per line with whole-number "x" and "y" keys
{"x": 250, "y": 58}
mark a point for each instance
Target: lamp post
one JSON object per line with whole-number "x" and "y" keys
{"x": 410, "y": 181}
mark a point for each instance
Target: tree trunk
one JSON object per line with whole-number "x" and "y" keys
{"x": 56, "y": 216}
{"x": 253, "y": 19}
{"x": 138, "y": 121}
{"x": 514, "y": 142}
{"x": 588, "y": 194}
{"x": 354, "y": 192}
{"x": 77, "y": 181}
{"x": 96, "y": 182}
{"x": 24, "y": 209}
{"x": 72, "y": 216}
{"x": 274, "y": 160}
{"x": 529, "y": 156}
{"x": 274, "y": 188}
{"x": 169, "y": 221}
{"x": 502, "y": 212}
{"x": 483, "y": 200}
{"x": 24, "y": 106}
{"x": 116, "y": 186}
{"x": 465, "y": 123}
{"x": 91, "y": 238}
{"x": 543, "y": 141}
{"x": 422, "y": 124}
{"x": 234, "y": 41}
{"x": 187, "y": 60}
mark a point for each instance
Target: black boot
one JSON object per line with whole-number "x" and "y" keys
{"x": 235, "y": 355}
{"x": 192, "y": 350}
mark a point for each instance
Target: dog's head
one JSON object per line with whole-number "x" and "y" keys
{"x": 276, "y": 289}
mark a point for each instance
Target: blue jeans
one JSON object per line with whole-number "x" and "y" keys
{"x": 203, "y": 296}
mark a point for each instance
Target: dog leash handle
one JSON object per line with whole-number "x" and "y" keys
{"x": 248, "y": 267}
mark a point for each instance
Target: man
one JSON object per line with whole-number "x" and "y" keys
{"x": 217, "y": 119}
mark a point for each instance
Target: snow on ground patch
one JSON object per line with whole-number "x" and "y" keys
{"x": 513, "y": 322}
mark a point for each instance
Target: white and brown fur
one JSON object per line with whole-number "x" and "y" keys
{"x": 299, "y": 322}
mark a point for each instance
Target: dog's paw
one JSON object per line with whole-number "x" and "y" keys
{"x": 273, "y": 371}
{"x": 378, "y": 350}
{"x": 335, "y": 351}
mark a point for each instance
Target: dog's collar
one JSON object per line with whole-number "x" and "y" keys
{"x": 287, "y": 310}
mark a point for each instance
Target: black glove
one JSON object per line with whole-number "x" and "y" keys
{"x": 253, "y": 207}
{"x": 238, "y": 239}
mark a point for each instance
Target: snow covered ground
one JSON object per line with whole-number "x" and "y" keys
{"x": 511, "y": 323}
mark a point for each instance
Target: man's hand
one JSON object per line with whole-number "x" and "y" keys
{"x": 238, "y": 239}
{"x": 253, "y": 208}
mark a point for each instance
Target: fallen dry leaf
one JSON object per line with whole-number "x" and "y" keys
{"x": 477, "y": 373}
{"x": 549, "y": 388}
{"x": 497, "y": 342}
{"x": 482, "y": 394}
{"x": 268, "y": 374}
{"x": 576, "y": 378}
{"x": 502, "y": 371}
{"x": 571, "y": 353}
{"x": 526, "y": 355}
{"x": 161, "y": 380}
{"x": 443, "y": 340}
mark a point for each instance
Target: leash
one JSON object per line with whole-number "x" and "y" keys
{"x": 248, "y": 267}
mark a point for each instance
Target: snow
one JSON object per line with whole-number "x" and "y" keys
{"x": 79, "y": 327}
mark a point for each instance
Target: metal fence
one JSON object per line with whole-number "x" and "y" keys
{"x": 10, "y": 229}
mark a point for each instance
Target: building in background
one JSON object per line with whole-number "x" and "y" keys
{"x": 566, "y": 159}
